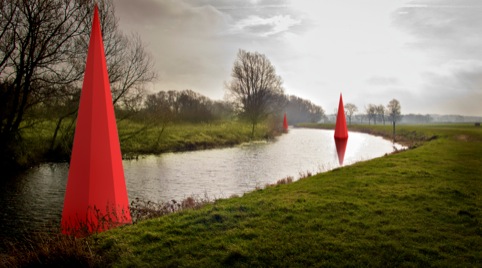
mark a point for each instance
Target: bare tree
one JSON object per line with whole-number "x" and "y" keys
{"x": 255, "y": 87}
{"x": 380, "y": 111}
{"x": 42, "y": 34}
{"x": 350, "y": 109}
{"x": 129, "y": 67}
{"x": 371, "y": 113}
{"x": 42, "y": 57}
{"x": 394, "y": 111}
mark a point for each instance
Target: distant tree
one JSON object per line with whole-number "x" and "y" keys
{"x": 371, "y": 113}
{"x": 300, "y": 110}
{"x": 394, "y": 112}
{"x": 380, "y": 111}
{"x": 350, "y": 110}
{"x": 221, "y": 110}
{"x": 255, "y": 87}
{"x": 417, "y": 118}
{"x": 161, "y": 106}
{"x": 316, "y": 114}
{"x": 186, "y": 106}
{"x": 360, "y": 117}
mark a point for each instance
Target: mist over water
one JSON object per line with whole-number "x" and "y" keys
{"x": 34, "y": 200}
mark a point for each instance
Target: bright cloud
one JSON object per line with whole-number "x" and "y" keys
{"x": 265, "y": 26}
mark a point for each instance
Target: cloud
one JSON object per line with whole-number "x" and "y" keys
{"x": 170, "y": 15}
{"x": 444, "y": 28}
{"x": 264, "y": 26}
{"x": 457, "y": 86}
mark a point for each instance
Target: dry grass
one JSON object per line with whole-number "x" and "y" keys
{"x": 50, "y": 250}
{"x": 144, "y": 209}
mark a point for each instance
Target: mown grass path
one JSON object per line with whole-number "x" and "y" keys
{"x": 420, "y": 207}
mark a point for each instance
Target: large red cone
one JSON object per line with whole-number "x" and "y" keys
{"x": 96, "y": 194}
{"x": 341, "y": 132}
{"x": 285, "y": 124}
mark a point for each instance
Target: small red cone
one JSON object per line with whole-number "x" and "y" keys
{"x": 341, "y": 131}
{"x": 285, "y": 124}
{"x": 96, "y": 194}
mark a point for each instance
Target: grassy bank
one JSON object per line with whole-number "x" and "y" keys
{"x": 186, "y": 136}
{"x": 137, "y": 138}
{"x": 420, "y": 207}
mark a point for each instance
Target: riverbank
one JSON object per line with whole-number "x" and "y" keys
{"x": 139, "y": 139}
{"x": 410, "y": 136}
{"x": 419, "y": 207}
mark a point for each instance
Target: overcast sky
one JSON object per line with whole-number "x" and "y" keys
{"x": 427, "y": 54}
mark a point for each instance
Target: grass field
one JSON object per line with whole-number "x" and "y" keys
{"x": 418, "y": 208}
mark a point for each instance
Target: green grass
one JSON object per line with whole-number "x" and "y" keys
{"x": 136, "y": 139}
{"x": 421, "y": 207}
{"x": 186, "y": 136}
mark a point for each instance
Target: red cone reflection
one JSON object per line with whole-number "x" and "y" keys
{"x": 341, "y": 132}
{"x": 340, "y": 149}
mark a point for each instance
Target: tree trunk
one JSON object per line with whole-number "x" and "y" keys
{"x": 393, "y": 131}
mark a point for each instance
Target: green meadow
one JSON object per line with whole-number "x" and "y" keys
{"x": 419, "y": 207}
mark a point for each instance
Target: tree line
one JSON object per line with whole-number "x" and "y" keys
{"x": 165, "y": 107}
{"x": 392, "y": 113}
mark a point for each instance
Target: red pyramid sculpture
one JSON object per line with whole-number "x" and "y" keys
{"x": 341, "y": 132}
{"x": 285, "y": 124}
{"x": 96, "y": 194}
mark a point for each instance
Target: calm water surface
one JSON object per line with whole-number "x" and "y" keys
{"x": 33, "y": 201}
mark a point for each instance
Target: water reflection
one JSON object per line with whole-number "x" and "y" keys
{"x": 341, "y": 149}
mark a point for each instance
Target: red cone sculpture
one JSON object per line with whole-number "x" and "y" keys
{"x": 341, "y": 132}
{"x": 96, "y": 194}
{"x": 285, "y": 124}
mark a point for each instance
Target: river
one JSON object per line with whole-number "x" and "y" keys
{"x": 33, "y": 201}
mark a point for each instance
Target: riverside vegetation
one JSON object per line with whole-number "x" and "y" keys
{"x": 419, "y": 207}
{"x": 137, "y": 139}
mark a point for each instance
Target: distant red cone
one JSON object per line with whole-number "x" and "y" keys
{"x": 341, "y": 131}
{"x": 96, "y": 194}
{"x": 285, "y": 124}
